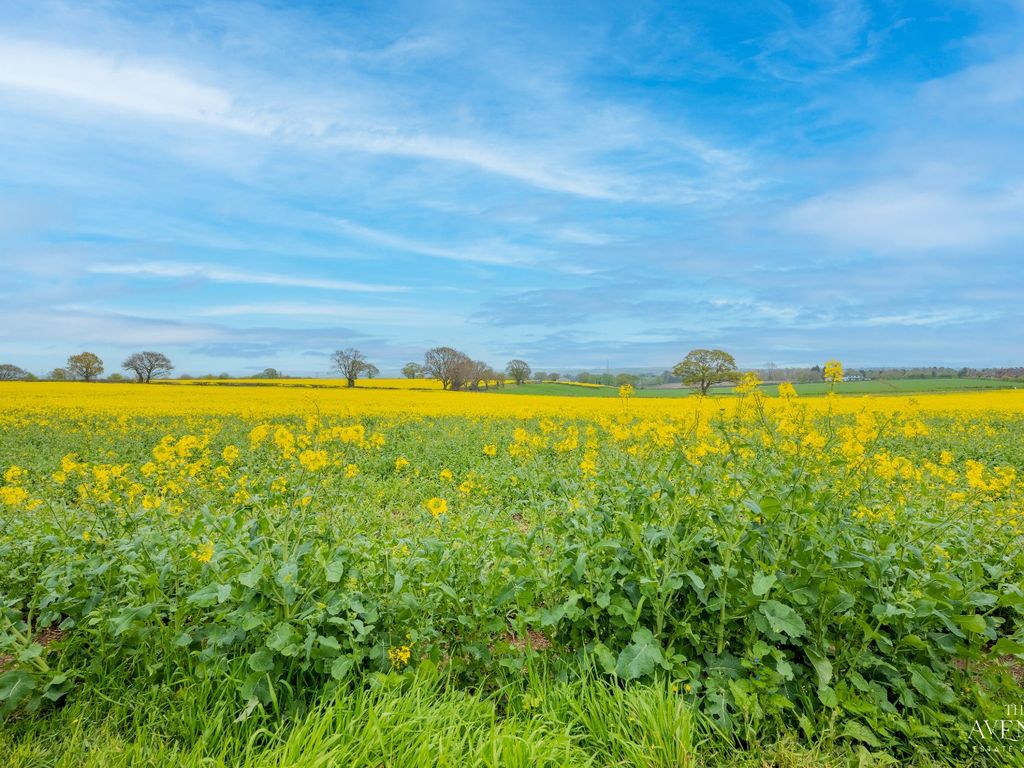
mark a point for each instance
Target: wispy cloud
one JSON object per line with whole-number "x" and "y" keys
{"x": 916, "y": 214}
{"x": 500, "y": 254}
{"x": 119, "y": 83}
{"x": 228, "y": 275}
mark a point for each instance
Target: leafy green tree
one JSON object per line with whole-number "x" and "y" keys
{"x": 412, "y": 370}
{"x": 705, "y": 367}
{"x": 86, "y": 366}
{"x": 518, "y": 370}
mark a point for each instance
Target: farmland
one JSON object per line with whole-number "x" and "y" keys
{"x": 877, "y": 387}
{"x": 278, "y": 575}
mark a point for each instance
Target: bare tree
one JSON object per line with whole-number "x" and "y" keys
{"x": 10, "y": 372}
{"x": 148, "y": 365}
{"x": 518, "y": 370}
{"x": 350, "y": 363}
{"x": 412, "y": 370}
{"x": 372, "y": 371}
{"x": 86, "y": 366}
{"x": 704, "y": 367}
{"x": 480, "y": 375}
{"x": 449, "y": 366}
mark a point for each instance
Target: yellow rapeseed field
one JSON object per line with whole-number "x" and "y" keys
{"x": 819, "y": 563}
{"x": 331, "y": 397}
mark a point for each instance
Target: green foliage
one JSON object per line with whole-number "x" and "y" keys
{"x": 742, "y": 575}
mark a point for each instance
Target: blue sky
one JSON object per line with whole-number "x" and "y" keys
{"x": 243, "y": 185}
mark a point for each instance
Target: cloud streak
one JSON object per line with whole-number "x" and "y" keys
{"x": 167, "y": 270}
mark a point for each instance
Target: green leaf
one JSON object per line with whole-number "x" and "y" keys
{"x": 341, "y": 667}
{"x": 828, "y": 696}
{"x": 251, "y": 578}
{"x": 335, "y": 570}
{"x": 782, "y": 618}
{"x": 261, "y": 661}
{"x": 282, "y": 636}
{"x": 605, "y": 657}
{"x": 854, "y": 730}
{"x": 821, "y": 665}
{"x": 128, "y": 616}
{"x": 640, "y": 657}
{"x": 929, "y": 685}
{"x": 329, "y": 642}
{"x": 971, "y": 623}
{"x": 696, "y": 580}
{"x": 762, "y": 583}
{"x": 1006, "y": 645}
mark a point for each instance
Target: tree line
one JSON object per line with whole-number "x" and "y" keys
{"x": 455, "y": 370}
{"x": 88, "y": 366}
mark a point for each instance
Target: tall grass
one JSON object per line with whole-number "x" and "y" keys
{"x": 416, "y": 720}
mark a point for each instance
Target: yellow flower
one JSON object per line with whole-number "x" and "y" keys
{"x": 86, "y": 536}
{"x": 313, "y": 461}
{"x": 12, "y": 495}
{"x": 748, "y": 383}
{"x": 446, "y": 475}
{"x": 259, "y": 434}
{"x": 230, "y": 454}
{"x": 280, "y": 485}
{"x": 491, "y": 450}
{"x": 13, "y": 475}
{"x": 466, "y": 486}
{"x": 833, "y": 371}
{"x": 351, "y": 470}
{"x": 787, "y": 390}
{"x": 401, "y": 463}
{"x": 626, "y": 391}
{"x": 151, "y": 502}
{"x": 284, "y": 440}
{"x": 399, "y": 656}
{"x": 437, "y": 506}
{"x": 203, "y": 553}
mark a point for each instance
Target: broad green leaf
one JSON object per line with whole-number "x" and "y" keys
{"x": 640, "y": 657}
{"x": 821, "y": 665}
{"x": 762, "y": 583}
{"x": 855, "y": 730}
{"x": 341, "y": 667}
{"x": 782, "y": 618}
{"x": 261, "y": 661}
{"x": 1006, "y": 645}
{"x": 335, "y": 570}
{"x": 929, "y": 685}
{"x": 971, "y": 623}
{"x": 282, "y": 636}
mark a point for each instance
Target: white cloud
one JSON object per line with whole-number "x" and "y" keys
{"x": 118, "y": 83}
{"x": 500, "y": 255}
{"x": 227, "y": 275}
{"x": 385, "y": 315}
{"x": 154, "y": 90}
{"x": 913, "y": 214}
